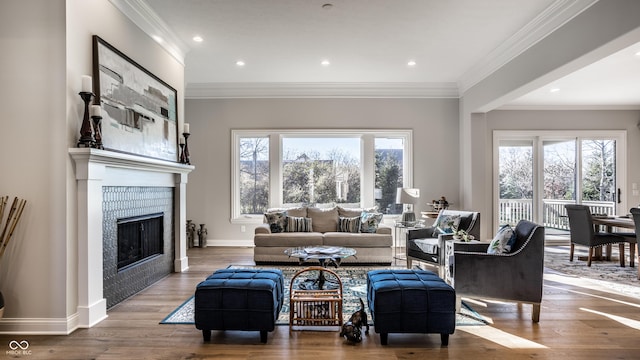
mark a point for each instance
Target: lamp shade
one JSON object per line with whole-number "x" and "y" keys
{"x": 407, "y": 196}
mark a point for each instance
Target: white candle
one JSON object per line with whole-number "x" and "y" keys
{"x": 181, "y": 140}
{"x": 95, "y": 110}
{"x": 87, "y": 84}
{"x": 186, "y": 128}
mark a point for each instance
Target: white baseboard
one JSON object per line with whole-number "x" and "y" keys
{"x": 230, "y": 243}
{"x": 39, "y": 326}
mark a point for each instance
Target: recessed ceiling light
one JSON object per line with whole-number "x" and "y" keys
{"x": 638, "y": 53}
{"x": 158, "y": 39}
{"x": 327, "y": 6}
{"x": 240, "y": 63}
{"x": 411, "y": 63}
{"x": 553, "y": 90}
{"x": 198, "y": 38}
{"x": 325, "y": 63}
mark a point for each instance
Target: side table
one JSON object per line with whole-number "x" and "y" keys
{"x": 400, "y": 236}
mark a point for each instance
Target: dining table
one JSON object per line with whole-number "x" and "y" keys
{"x": 611, "y": 221}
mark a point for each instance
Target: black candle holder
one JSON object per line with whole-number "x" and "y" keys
{"x": 183, "y": 158}
{"x": 86, "y": 133}
{"x": 97, "y": 129}
{"x": 185, "y": 151}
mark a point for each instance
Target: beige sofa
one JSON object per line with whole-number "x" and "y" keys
{"x": 371, "y": 248}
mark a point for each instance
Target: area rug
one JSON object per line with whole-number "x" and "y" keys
{"x": 354, "y": 286}
{"x": 603, "y": 274}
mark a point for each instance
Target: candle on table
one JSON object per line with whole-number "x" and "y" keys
{"x": 87, "y": 84}
{"x": 95, "y": 110}
{"x": 186, "y": 128}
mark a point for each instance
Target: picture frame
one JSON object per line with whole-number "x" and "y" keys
{"x": 139, "y": 110}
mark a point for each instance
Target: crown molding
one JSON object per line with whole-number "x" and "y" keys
{"x": 320, "y": 90}
{"x": 574, "y": 107}
{"x": 553, "y": 17}
{"x": 141, "y": 14}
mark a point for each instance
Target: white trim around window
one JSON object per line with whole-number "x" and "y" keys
{"x": 367, "y": 162}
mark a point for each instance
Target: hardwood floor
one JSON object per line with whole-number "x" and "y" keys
{"x": 575, "y": 323}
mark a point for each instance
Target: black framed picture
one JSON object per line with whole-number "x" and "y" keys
{"x": 139, "y": 110}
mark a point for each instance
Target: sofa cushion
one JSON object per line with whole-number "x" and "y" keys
{"x": 298, "y": 224}
{"x": 369, "y": 221}
{"x": 277, "y": 221}
{"x": 503, "y": 241}
{"x": 446, "y": 223}
{"x": 288, "y": 239}
{"x": 323, "y": 220}
{"x": 349, "y": 224}
{"x": 360, "y": 240}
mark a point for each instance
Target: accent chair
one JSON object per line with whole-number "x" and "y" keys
{"x": 513, "y": 276}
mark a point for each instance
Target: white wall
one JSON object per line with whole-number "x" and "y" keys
{"x": 435, "y": 140}
{"x": 46, "y": 48}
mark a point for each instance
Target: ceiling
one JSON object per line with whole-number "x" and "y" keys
{"x": 369, "y": 43}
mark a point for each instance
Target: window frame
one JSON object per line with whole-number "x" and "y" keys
{"x": 367, "y": 162}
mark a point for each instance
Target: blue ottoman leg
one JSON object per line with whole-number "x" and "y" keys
{"x": 384, "y": 337}
{"x": 206, "y": 335}
{"x": 263, "y": 336}
{"x": 444, "y": 338}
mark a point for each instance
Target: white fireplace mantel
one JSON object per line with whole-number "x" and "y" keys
{"x": 98, "y": 168}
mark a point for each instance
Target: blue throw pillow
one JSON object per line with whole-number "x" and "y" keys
{"x": 503, "y": 241}
{"x": 447, "y": 224}
{"x": 369, "y": 222}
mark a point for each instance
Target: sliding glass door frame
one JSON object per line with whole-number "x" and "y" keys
{"x": 537, "y": 138}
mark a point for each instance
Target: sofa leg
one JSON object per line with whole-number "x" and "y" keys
{"x": 409, "y": 262}
{"x": 458, "y": 304}
{"x": 535, "y": 313}
{"x": 263, "y": 336}
{"x": 206, "y": 335}
{"x": 384, "y": 338}
{"x": 444, "y": 338}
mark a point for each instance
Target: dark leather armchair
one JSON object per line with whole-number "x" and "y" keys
{"x": 427, "y": 245}
{"x": 583, "y": 233}
{"x": 515, "y": 276}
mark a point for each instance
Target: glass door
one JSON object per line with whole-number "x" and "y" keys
{"x": 538, "y": 173}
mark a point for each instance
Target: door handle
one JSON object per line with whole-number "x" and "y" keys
{"x": 619, "y": 194}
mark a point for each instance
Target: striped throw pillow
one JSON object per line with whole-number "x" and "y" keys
{"x": 349, "y": 224}
{"x": 298, "y": 224}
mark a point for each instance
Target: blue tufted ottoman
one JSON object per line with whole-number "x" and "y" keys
{"x": 411, "y": 301}
{"x": 239, "y": 299}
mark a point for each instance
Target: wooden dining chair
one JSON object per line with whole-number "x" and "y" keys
{"x": 582, "y": 232}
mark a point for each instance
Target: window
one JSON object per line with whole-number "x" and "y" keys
{"x": 317, "y": 167}
{"x": 254, "y": 175}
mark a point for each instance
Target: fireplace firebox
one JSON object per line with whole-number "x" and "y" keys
{"x": 139, "y": 238}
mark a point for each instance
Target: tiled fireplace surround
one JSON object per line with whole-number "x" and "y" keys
{"x": 97, "y": 170}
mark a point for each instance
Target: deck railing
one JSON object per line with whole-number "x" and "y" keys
{"x": 553, "y": 212}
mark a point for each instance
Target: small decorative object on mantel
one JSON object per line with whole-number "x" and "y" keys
{"x": 96, "y": 115}
{"x": 202, "y": 236}
{"x": 86, "y": 132}
{"x": 8, "y": 225}
{"x": 184, "y": 146}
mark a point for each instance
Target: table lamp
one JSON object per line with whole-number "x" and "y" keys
{"x": 408, "y": 196}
